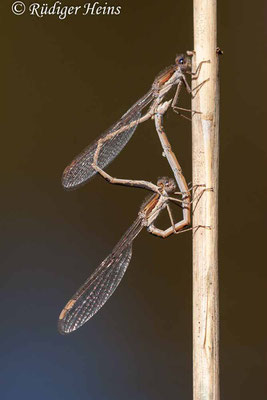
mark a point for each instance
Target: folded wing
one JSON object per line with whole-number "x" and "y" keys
{"x": 98, "y": 288}
{"x": 80, "y": 170}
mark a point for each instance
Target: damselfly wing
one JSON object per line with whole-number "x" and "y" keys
{"x": 81, "y": 170}
{"x": 98, "y": 288}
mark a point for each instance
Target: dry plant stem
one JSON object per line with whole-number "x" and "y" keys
{"x": 205, "y": 128}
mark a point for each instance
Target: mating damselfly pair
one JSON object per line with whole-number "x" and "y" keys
{"x": 97, "y": 289}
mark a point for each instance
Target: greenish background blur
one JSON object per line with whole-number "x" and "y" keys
{"x": 63, "y": 83}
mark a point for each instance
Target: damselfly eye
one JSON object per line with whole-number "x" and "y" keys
{"x": 181, "y": 60}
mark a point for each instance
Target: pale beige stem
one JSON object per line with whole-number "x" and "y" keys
{"x": 205, "y": 128}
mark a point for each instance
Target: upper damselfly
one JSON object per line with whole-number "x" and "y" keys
{"x": 111, "y": 142}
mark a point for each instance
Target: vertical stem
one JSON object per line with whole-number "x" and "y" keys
{"x": 205, "y": 129}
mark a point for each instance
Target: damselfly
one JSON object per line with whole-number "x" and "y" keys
{"x": 111, "y": 142}
{"x": 101, "y": 284}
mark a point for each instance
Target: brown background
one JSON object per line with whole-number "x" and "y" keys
{"x": 63, "y": 83}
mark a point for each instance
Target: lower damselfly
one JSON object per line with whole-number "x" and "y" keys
{"x": 98, "y": 288}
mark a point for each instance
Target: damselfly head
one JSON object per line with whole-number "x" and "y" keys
{"x": 183, "y": 61}
{"x": 167, "y": 184}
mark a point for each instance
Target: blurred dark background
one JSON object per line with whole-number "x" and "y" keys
{"x": 63, "y": 83}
